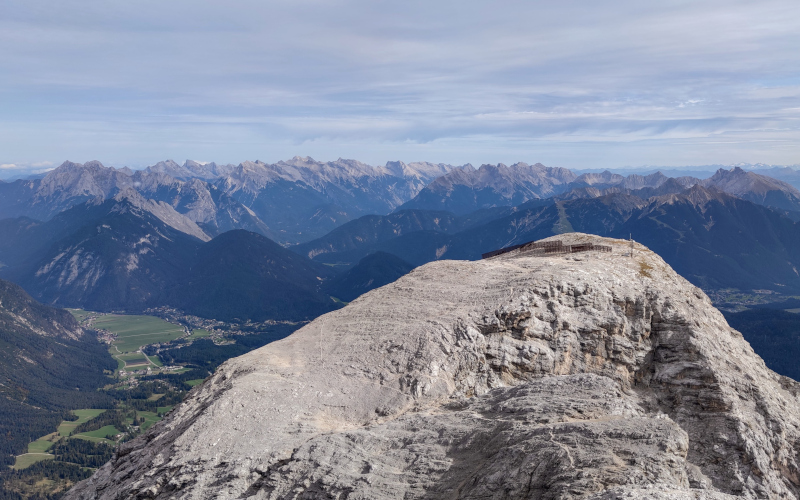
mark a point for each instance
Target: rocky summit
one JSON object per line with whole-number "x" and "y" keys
{"x": 599, "y": 375}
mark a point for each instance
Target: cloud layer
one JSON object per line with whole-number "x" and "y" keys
{"x": 575, "y": 84}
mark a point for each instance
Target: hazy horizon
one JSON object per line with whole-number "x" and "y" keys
{"x": 10, "y": 174}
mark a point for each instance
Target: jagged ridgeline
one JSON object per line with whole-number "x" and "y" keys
{"x": 108, "y": 239}
{"x": 49, "y": 366}
{"x": 595, "y": 375}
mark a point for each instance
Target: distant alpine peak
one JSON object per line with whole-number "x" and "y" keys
{"x": 190, "y": 169}
{"x": 737, "y": 178}
{"x": 463, "y": 190}
{"x": 129, "y": 197}
{"x": 756, "y": 188}
{"x": 696, "y": 195}
{"x": 422, "y": 169}
{"x": 519, "y": 173}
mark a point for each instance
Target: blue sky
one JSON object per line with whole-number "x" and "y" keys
{"x": 578, "y": 84}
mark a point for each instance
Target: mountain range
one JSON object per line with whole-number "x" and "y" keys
{"x": 712, "y": 238}
{"x": 300, "y": 198}
{"x": 464, "y": 191}
{"x": 214, "y": 240}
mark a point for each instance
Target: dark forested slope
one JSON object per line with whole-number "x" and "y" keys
{"x": 774, "y": 335}
{"x": 242, "y": 275}
{"x": 49, "y": 365}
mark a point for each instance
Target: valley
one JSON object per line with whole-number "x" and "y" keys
{"x": 163, "y": 296}
{"x": 128, "y": 334}
{"x": 400, "y": 250}
{"x": 139, "y": 391}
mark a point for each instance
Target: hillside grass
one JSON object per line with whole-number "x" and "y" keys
{"x": 43, "y": 444}
{"x": 28, "y": 459}
{"x": 150, "y": 418}
{"x": 83, "y": 415}
{"x": 99, "y": 434}
{"x": 37, "y": 450}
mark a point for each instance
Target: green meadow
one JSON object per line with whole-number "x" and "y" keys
{"x": 200, "y": 333}
{"x": 134, "y": 332}
{"x": 42, "y": 444}
{"x": 83, "y": 415}
{"x": 29, "y": 459}
{"x": 150, "y": 418}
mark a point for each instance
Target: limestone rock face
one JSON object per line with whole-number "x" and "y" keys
{"x": 590, "y": 375}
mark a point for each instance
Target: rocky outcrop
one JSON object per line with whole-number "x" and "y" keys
{"x": 592, "y": 375}
{"x": 20, "y": 313}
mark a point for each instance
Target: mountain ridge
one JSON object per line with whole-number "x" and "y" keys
{"x": 686, "y": 228}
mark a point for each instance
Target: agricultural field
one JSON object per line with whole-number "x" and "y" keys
{"x": 165, "y": 409}
{"x": 37, "y": 451}
{"x": 133, "y": 332}
{"x": 150, "y": 418}
{"x": 28, "y": 459}
{"x": 130, "y": 333}
{"x": 200, "y": 333}
{"x": 83, "y": 415}
{"x": 43, "y": 444}
{"x": 132, "y": 361}
{"x": 81, "y": 314}
{"x": 99, "y": 435}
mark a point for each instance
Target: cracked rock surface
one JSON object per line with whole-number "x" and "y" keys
{"x": 601, "y": 376}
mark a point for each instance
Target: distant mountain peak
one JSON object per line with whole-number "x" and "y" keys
{"x": 696, "y": 195}
{"x": 130, "y": 197}
{"x": 465, "y": 190}
{"x": 755, "y": 187}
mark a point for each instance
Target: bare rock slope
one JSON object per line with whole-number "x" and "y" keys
{"x": 591, "y": 375}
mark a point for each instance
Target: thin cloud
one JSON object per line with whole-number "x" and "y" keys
{"x": 133, "y": 83}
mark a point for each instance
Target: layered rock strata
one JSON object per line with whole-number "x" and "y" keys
{"x": 593, "y": 375}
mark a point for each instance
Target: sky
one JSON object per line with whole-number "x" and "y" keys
{"x": 576, "y": 84}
